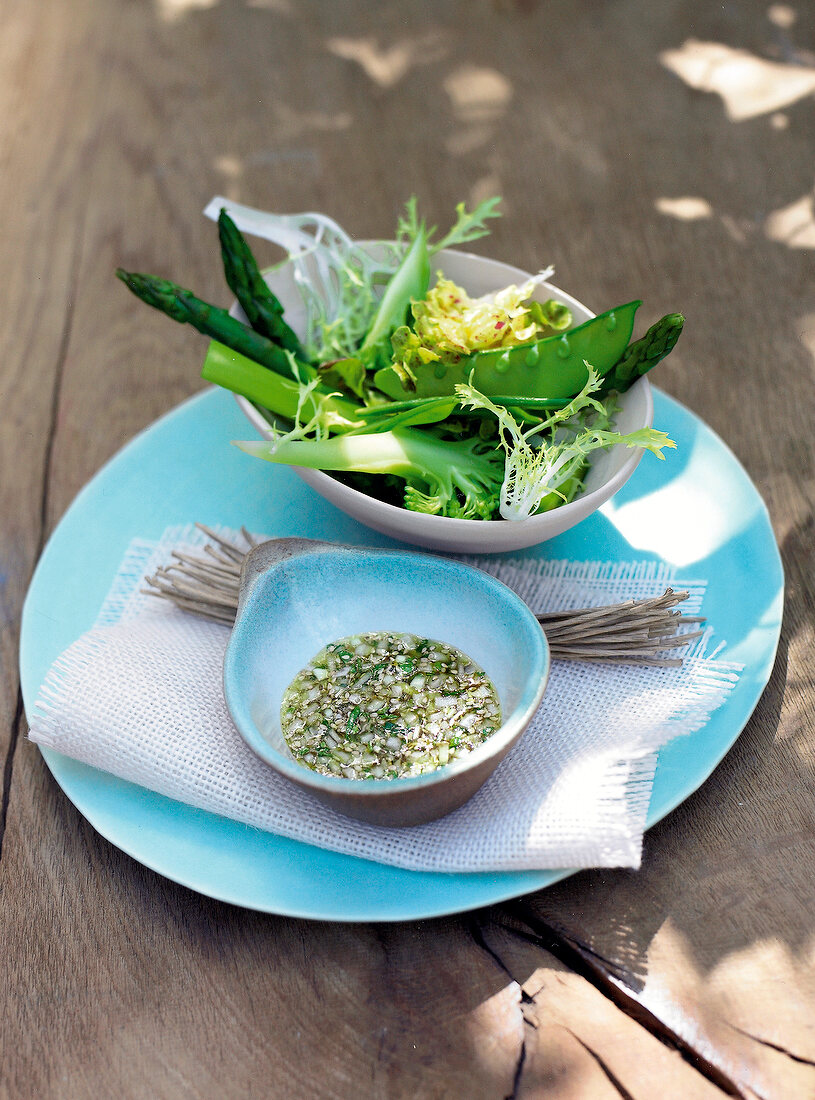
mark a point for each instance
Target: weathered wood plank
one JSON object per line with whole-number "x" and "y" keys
{"x": 41, "y": 218}
{"x": 714, "y": 934}
{"x": 567, "y": 1017}
{"x": 151, "y": 983}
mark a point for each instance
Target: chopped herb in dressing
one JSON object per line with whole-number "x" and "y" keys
{"x": 385, "y": 706}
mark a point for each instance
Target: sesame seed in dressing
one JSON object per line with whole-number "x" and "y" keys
{"x": 386, "y": 706}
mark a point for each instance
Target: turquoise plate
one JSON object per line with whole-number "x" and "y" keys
{"x": 697, "y": 510}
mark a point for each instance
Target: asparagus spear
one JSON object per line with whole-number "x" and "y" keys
{"x": 645, "y": 353}
{"x": 183, "y": 306}
{"x": 264, "y": 311}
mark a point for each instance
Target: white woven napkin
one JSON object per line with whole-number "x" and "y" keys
{"x": 140, "y": 696}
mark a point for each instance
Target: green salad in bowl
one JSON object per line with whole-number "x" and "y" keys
{"x": 437, "y": 396}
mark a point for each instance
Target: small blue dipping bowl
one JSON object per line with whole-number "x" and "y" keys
{"x": 297, "y": 595}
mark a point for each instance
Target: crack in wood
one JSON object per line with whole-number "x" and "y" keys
{"x": 8, "y": 765}
{"x": 606, "y": 1069}
{"x": 772, "y": 1046}
{"x": 616, "y": 970}
{"x": 582, "y": 960}
{"x": 56, "y": 394}
{"x": 477, "y": 933}
{"x": 519, "y": 1069}
{"x": 59, "y": 372}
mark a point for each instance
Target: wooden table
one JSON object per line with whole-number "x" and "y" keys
{"x": 654, "y": 150}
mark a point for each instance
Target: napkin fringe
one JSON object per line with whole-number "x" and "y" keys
{"x": 47, "y": 718}
{"x": 564, "y": 585}
{"x": 144, "y": 556}
{"x": 135, "y": 566}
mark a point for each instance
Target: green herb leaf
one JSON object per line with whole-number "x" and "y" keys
{"x": 469, "y": 226}
{"x": 347, "y": 374}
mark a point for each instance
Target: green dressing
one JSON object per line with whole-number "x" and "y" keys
{"x": 385, "y": 706}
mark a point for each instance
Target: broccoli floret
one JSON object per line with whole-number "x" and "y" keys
{"x": 458, "y": 479}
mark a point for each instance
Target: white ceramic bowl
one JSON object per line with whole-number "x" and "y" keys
{"x": 609, "y": 469}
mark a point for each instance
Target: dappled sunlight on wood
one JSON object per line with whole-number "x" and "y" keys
{"x": 782, "y": 15}
{"x": 387, "y": 65}
{"x": 479, "y": 98}
{"x": 484, "y": 188}
{"x": 498, "y": 1019}
{"x": 170, "y": 11}
{"x": 229, "y": 166}
{"x": 478, "y": 94}
{"x": 793, "y": 225}
{"x": 286, "y": 124}
{"x": 655, "y": 151}
{"x": 758, "y": 969}
{"x": 279, "y": 7}
{"x": 468, "y": 139}
{"x": 731, "y": 999}
{"x": 231, "y": 169}
{"x": 797, "y": 712}
{"x": 748, "y": 85}
{"x": 762, "y": 966}
{"x": 688, "y": 208}
{"x": 290, "y": 122}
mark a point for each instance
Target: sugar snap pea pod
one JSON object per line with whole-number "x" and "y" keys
{"x": 552, "y": 367}
{"x": 243, "y": 276}
{"x": 645, "y": 353}
{"x": 434, "y": 410}
{"x": 372, "y": 412}
{"x": 402, "y": 414}
{"x": 410, "y": 280}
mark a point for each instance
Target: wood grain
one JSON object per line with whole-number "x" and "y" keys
{"x": 691, "y": 977}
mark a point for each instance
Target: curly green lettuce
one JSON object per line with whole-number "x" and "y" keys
{"x": 545, "y": 464}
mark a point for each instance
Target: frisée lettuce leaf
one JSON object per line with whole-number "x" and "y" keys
{"x": 545, "y": 463}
